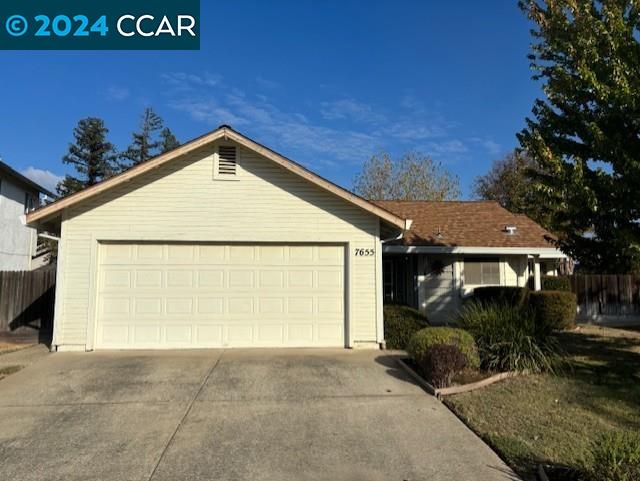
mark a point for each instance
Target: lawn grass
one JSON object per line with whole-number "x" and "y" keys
{"x": 553, "y": 419}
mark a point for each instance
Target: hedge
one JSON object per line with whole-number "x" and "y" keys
{"x": 556, "y": 283}
{"x": 554, "y": 310}
{"x": 400, "y": 323}
{"x": 423, "y": 340}
{"x": 513, "y": 296}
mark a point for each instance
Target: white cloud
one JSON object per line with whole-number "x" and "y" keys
{"x": 266, "y": 84}
{"x": 45, "y": 178}
{"x": 490, "y": 146}
{"x": 364, "y": 129}
{"x": 117, "y": 93}
{"x": 183, "y": 80}
{"x": 350, "y": 109}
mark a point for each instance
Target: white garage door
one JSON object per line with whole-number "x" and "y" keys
{"x": 209, "y": 295}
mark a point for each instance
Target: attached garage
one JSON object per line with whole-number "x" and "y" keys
{"x": 213, "y": 295}
{"x": 218, "y": 243}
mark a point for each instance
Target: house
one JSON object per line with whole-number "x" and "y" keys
{"x": 221, "y": 242}
{"x": 18, "y": 242}
{"x": 454, "y": 247}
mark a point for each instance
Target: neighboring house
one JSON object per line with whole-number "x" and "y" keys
{"x": 453, "y": 247}
{"x": 221, "y": 242}
{"x": 18, "y": 242}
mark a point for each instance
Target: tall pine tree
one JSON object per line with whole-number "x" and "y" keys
{"x": 92, "y": 156}
{"x": 145, "y": 143}
{"x": 585, "y": 134}
{"x": 168, "y": 141}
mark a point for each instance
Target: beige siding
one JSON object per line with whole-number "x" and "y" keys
{"x": 181, "y": 201}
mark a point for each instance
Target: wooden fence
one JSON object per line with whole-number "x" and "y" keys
{"x": 26, "y": 303}
{"x": 607, "y": 298}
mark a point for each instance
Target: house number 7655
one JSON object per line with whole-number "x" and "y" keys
{"x": 364, "y": 252}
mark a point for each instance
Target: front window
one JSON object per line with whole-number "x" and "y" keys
{"x": 482, "y": 272}
{"x": 29, "y": 203}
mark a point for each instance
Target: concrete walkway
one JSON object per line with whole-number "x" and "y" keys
{"x": 231, "y": 415}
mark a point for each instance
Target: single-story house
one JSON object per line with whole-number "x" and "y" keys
{"x": 455, "y": 246}
{"x": 221, "y": 242}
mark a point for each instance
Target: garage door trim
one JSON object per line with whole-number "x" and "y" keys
{"x": 97, "y": 262}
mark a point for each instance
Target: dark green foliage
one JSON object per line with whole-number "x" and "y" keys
{"x": 556, "y": 283}
{"x": 400, "y": 323}
{"x": 145, "y": 144}
{"x": 513, "y": 296}
{"x": 168, "y": 141}
{"x": 91, "y": 154}
{"x": 422, "y": 341}
{"x": 441, "y": 363}
{"x": 584, "y": 132}
{"x": 554, "y": 310}
{"x": 616, "y": 457}
{"x": 508, "y": 337}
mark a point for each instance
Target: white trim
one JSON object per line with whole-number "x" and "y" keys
{"x": 542, "y": 252}
{"x": 95, "y": 284}
{"x": 379, "y": 289}
{"x": 92, "y": 309}
{"x": 57, "y": 306}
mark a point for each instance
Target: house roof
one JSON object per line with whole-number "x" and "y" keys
{"x": 11, "y": 172}
{"x": 223, "y": 132}
{"x": 466, "y": 224}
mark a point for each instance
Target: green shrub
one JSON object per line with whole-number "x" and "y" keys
{"x": 400, "y": 323}
{"x": 425, "y": 339}
{"x": 556, "y": 283}
{"x": 441, "y": 363}
{"x": 514, "y": 296}
{"x": 508, "y": 338}
{"x": 554, "y": 310}
{"x": 616, "y": 457}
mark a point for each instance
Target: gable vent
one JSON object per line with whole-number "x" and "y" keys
{"x": 226, "y": 160}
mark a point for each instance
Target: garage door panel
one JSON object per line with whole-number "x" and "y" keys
{"x": 205, "y": 295}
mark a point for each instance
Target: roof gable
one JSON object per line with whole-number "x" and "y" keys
{"x": 223, "y": 132}
{"x": 21, "y": 179}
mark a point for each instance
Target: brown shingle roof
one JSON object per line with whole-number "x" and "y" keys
{"x": 468, "y": 224}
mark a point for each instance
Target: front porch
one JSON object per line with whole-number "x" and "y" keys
{"x": 437, "y": 283}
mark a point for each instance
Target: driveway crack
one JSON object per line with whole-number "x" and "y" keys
{"x": 186, "y": 413}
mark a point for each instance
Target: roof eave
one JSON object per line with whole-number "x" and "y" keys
{"x": 48, "y": 211}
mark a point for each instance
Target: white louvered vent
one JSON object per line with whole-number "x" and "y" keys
{"x": 226, "y": 160}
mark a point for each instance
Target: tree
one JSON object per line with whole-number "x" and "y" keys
{"x": 92, "y": 156}
{"x": 144, "y": 145}
{"x": 509, "y": 183}
{"x": 168, "y": 141}
{"x": 413, "y": 176}
{"x": 585, "y": 135}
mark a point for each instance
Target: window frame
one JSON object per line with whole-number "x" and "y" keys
{"x": 482, "y": 261}
{"x": 27, "y": 207}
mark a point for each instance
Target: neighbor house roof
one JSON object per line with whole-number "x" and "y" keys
{"x": 223, "y": 132}
{"x": 466, "y": 224}
{"x": 11, "y": 172}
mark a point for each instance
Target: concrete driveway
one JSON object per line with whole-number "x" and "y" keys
{"x": 231, "y": 415}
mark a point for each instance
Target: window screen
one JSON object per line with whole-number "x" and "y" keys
{"x": 481, "y": 272}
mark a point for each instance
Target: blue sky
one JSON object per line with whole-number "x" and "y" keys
{"x": 324, "y": 83}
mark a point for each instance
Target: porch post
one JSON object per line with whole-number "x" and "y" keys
{"x": 537, "y": 282}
